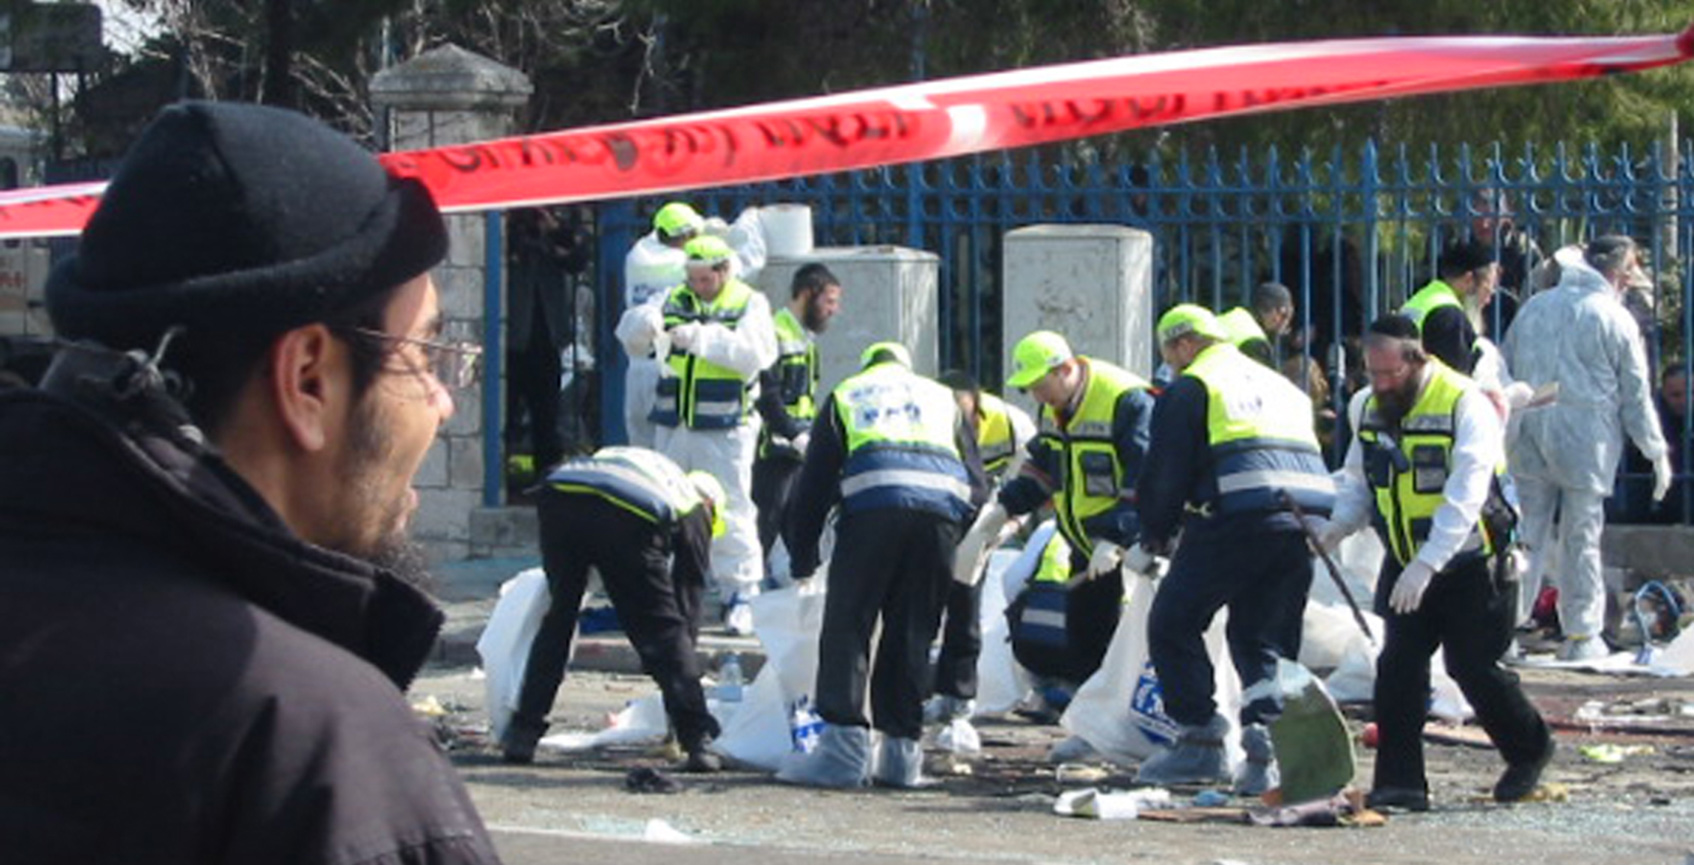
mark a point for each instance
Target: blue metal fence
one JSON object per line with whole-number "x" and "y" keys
{"x": 1351, "y": 232}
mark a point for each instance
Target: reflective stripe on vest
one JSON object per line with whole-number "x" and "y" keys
{"x": 1407, "y": 468}
{"x": 1087, "y": 452}
{"x": 640, "y": 481}
{"x": 1259, "y": 427}
{"x": 899, "y": 428}
{"x": 1431, "y": 297}
{"x": 700, "y": 394}
{"x": 994, "y": 434}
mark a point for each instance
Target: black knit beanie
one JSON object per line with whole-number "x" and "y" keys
{"x": 231, "y": 218}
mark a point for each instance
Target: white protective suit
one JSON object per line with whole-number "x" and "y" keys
{"x": 727, "y": 454}
{"x": 649, "y": 270}
{"x": 1565, "y": 456}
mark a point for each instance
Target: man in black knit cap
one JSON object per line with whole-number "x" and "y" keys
{"x": 209, "y": 609}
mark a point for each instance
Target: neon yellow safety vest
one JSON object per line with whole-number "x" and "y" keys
{"x": 797, "y": 373}
{"x": 1055, "y": 563}
{"x": 1428, "y": 299}
{"x": 994, "y": 434}
{"x": 1259, "y": 429}
{"x": 645, "y": 483}
{"x": 700, "y": 394}
{"x": 1087, "y": 452}
{"x": 1407, "y": 468}
{"x": 901, "y": 453}
{"x": 1241, "y": 327}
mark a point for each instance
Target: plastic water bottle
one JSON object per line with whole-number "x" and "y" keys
{"x": 730, "y": 679}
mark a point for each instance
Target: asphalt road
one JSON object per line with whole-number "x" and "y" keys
{"x": 998, "y": 807}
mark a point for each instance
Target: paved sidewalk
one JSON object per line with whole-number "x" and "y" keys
{"x": 468, "y": 590}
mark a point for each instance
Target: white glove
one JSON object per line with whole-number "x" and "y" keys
{"x": 1327, "y": 534}
{"x": 1138, "y": 559}
{"x": 1409, "y": 589}
{"x": 662, "y": 350}
{"x": 685, "y": 335}
{"x": 1106, "y": 558}
{"x": 973, "y": 550}
{"x": 1518, "y": 394}
{"x": 1662, "y": 472}
{"x": 716, "y": 226}
{"x": 801, "y": 441}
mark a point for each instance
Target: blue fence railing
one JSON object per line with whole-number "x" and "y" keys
{"x": 1351, "y": 232}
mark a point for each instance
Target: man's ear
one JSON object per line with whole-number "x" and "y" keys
{"x": 306, "y": 379}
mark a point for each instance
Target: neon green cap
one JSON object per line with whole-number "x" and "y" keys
{"x": 884, "y": 352}
{"x": 708, "y": 251}
{"x": 676, "y": 219}
{"x": 712, "y": 491}
{"x": 1036, "y": 355}
{"x": 1186, "y": 318}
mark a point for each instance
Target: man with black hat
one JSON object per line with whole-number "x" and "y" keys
{"x": 1443, "y": 310}
{"x": 210, "y": 609}
{"x": 1425, "y": 468}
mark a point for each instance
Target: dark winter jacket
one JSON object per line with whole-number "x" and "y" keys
{"x": 182, "y": 680}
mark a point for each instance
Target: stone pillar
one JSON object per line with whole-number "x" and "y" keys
{"x": 1091, "y": 283}
{"x": 443, "y": 97}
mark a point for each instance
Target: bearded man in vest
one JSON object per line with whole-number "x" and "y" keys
{"x": 889, "y": 448}
{"x": 1425, "y": 469}
{"x": 788, "y": 396}
{"x": 713, "y": 335}
{"x": 1229, "y": 439}
{"x": 1466, "y": 277}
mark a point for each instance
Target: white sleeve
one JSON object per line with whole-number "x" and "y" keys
{"x": 1478, "y": 447}
{"x": 1635, "y": 390}
{"x": 746, "y": 236}
{"x": 1354, "y": 501}
{"x": 747, "y": 349}
{"x": 638, "y": 326}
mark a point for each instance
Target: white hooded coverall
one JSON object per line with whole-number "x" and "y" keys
{"x": 1565, "y": 456}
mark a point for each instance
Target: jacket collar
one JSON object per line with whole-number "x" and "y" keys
{"x": 129, "y": 466}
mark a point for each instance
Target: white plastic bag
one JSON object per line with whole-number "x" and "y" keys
{"x": 1120, "y": 710}
{"x": 1001, "y": 682}
{"x": 776, "y": 716}
{"x": 504, "y": 644}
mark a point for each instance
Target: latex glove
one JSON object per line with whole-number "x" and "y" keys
{"x": 1662, "y": 472}
{"x": 662, "y": 350}
{"x": 1409, "y": 589}
{"x": 973, "y": 550}
{"x": 801, "y": 441}
{"x": 1327, "y": 534}
{"x": 1518, "y": 394}
{"x": 685, "y": 335}
{"x": 1142, "y": 561}
{"x": 1106, "y": 558}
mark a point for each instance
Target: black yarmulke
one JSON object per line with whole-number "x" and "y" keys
{"x": 230, "y": 217}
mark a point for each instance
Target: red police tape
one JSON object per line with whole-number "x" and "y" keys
{"x": 929, "y": 120}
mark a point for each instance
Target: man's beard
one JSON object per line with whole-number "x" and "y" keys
{"x": 369, "y": 452}
{"x": 1393, "y": 404}
{"x": 813, "y": 317}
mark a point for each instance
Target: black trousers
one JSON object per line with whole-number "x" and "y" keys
{"x": 1464, "y": 614}
{"x": 890, "y": 565}
{"x": 961, "y": 641}
{"x": 1262, "y": 574}
{"x": 774, "y": 481}
{"x": 660, "y": 615}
